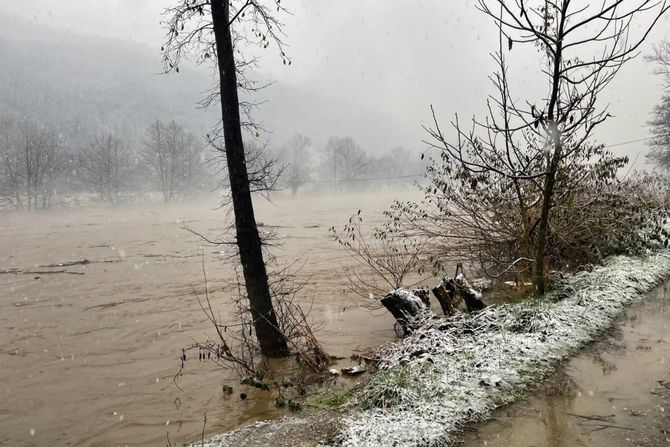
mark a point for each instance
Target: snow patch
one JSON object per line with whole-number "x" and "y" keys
{"x": 457, "y": 370}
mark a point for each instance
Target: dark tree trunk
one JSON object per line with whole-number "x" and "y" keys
{"x": 473, "y": 300}
{"x": 446, "y": 297}
{"x": 539, "y": 278}
{"x": 539, "y": 282}
{"x": 271, "y": 341}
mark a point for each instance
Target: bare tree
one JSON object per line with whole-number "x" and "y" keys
{"x": 396, "y": 165}
{"x": 43, "y": 162}
{"x": 264, "y": 171}
{"x": 161, "y": 156}
{"x": 191, "y": 170}
{"x": 383, "y": 262}
{"x": 174, "y": 156}
{"x": 216, "y": 29}
{"x": 296, "y": 156}
{"x": 529, "y": 155}
{"x": 660, "y": 122}
{"x": 32, "y": 160}
{"x": 12, "y": 171}
{"x": 105, "y": 165}
{"x": 344, "y": 161}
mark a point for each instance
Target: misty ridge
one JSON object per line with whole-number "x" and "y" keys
{"x": 81, "y": 119}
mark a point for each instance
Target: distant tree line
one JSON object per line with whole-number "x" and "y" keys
{"x": 342, "y": 165}
{"x": 37, "y": 161}
{"x": 659, "y": 125}
{"x": 33, "y": 159}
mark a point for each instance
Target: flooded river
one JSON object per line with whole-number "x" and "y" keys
{"x": 88, "y": 354}
{"x": 616, "y": 393}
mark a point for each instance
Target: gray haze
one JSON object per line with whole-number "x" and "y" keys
{"x": 384, "y": 59}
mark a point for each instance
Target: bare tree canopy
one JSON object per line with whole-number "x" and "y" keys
{"x": 32, "y": 160}
{"x": 343, "y": 161}
{"x": 174, "y": 156}
{"x": 296, "y": 155}
{"x": 106, "y": 166}
{"x": 534, "y": 155}
{"x": 660, "y": 122}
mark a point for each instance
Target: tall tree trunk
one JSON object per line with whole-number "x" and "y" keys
{"x": 271, "y": 340}
{"x": 539, "y": 278}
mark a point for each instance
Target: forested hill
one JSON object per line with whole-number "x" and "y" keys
{"x": 87, "y": 84}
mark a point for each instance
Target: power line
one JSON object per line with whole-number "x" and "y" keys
{"x": 631, "y": 141}
{"x": 358, "y": 180}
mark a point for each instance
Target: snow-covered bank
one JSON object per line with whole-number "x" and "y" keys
{"x": 456, "y": 371}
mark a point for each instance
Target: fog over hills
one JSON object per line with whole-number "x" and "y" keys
{"x": 86, "y": 84}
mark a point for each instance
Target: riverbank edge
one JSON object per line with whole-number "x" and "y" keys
{"x": 455, "y": 371}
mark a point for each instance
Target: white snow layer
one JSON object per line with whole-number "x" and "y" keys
{"x": 458, "y": 370}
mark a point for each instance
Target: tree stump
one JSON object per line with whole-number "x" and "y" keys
{"x": 448, "y": 290}
{"x": 472, "y": 298}
{"x": 407, "y": 308}
{"x": 411, "y": 308}
{"x": 446, "y": 296}
{"x": 423, "y": 294}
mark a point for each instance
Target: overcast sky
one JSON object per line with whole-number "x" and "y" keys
{"x": 390, "y": 55}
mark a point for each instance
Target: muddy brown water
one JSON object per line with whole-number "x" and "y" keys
{"x": 612, "y": 394}
{"x": 87, "y": 359}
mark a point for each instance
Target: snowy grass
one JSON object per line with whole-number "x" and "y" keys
{"x": 455, "y": 371}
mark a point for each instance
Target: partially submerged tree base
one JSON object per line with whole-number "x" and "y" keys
{"x": 235, "y": 346}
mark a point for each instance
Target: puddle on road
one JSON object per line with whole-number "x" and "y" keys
{"x": 610, "y": 395}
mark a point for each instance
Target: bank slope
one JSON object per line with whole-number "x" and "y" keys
{"x": 457, "y": 371}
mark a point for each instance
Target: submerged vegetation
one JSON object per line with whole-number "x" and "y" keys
{"x": 330, "y": 398}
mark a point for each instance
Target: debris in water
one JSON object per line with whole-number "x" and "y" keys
{"x": 354, "y": 371}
